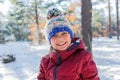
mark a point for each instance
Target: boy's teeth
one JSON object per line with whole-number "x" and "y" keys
{"x": 61, "y": 44}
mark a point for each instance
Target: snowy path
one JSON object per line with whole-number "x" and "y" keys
{"x": 106, "y": 53}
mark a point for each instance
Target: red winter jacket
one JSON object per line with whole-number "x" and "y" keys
{"x": 75, "y": 63}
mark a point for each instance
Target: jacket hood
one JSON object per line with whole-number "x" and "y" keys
{"x": 60, "y": 56}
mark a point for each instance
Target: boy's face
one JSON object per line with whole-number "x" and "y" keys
{"x": 61, "y": 41}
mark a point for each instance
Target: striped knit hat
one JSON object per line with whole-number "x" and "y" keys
{"x": 56, "y": 25}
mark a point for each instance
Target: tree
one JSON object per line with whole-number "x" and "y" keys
{"x": 24, "y": 13}
{"x": 17, "y": 19}
{"x": 86, "y": 23}
{"x": 117, "y": 11}
{"x": 37, "y": 22}
{"x": 109, "y": 10}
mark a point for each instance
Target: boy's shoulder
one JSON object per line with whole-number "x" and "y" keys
{"x": 84, "y": 53}
{"x": 48, "y": 56}
{"x": 45, "y": 59}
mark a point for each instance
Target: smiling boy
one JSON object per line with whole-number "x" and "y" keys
{"x": 68, "y": 59}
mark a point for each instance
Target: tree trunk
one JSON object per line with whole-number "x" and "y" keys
{"x": 109, "y": 10}
{"x": 37, "y": 22}
{"x": 86, "y": 23}
{"x": 117, "y": 11}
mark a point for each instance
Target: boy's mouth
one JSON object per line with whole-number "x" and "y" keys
{"x": 61, "y": 44}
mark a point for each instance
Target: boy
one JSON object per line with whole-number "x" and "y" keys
{"x": 68, "y": 59}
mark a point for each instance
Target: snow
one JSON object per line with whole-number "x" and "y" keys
{"x": 27, "y": 61}
{"x": 106, "y": 53}
{"x": 107, "y": 56}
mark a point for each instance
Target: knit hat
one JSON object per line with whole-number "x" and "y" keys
{"x": 56, "y": 25}
{"x": 53, "y": 12}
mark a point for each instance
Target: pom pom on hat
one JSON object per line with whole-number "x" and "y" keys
{"x": 56, "y": 25}
{"x": 53, "y": 12}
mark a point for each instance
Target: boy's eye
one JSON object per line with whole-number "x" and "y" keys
{"x": 55, "y": 36}
{"x": 62, "y": 34}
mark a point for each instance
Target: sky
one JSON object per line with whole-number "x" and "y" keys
{"x": 4, "y": 7}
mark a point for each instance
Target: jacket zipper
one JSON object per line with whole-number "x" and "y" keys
{"x": 55, "y": 69}
{"x": 54, "y": 73}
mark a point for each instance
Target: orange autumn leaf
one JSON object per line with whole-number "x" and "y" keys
{"x": 74, "y": 27}
{"x": 42, "y": 25}
{"x": 31, "y": 37}
{"x": 71, "y": 17}
{"x": 79, "y": 4}
{"x": 71, "y": 7}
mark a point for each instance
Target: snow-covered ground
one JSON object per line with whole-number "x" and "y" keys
{"x": 106, "y": 53}
{"x": 107, "y": 57}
